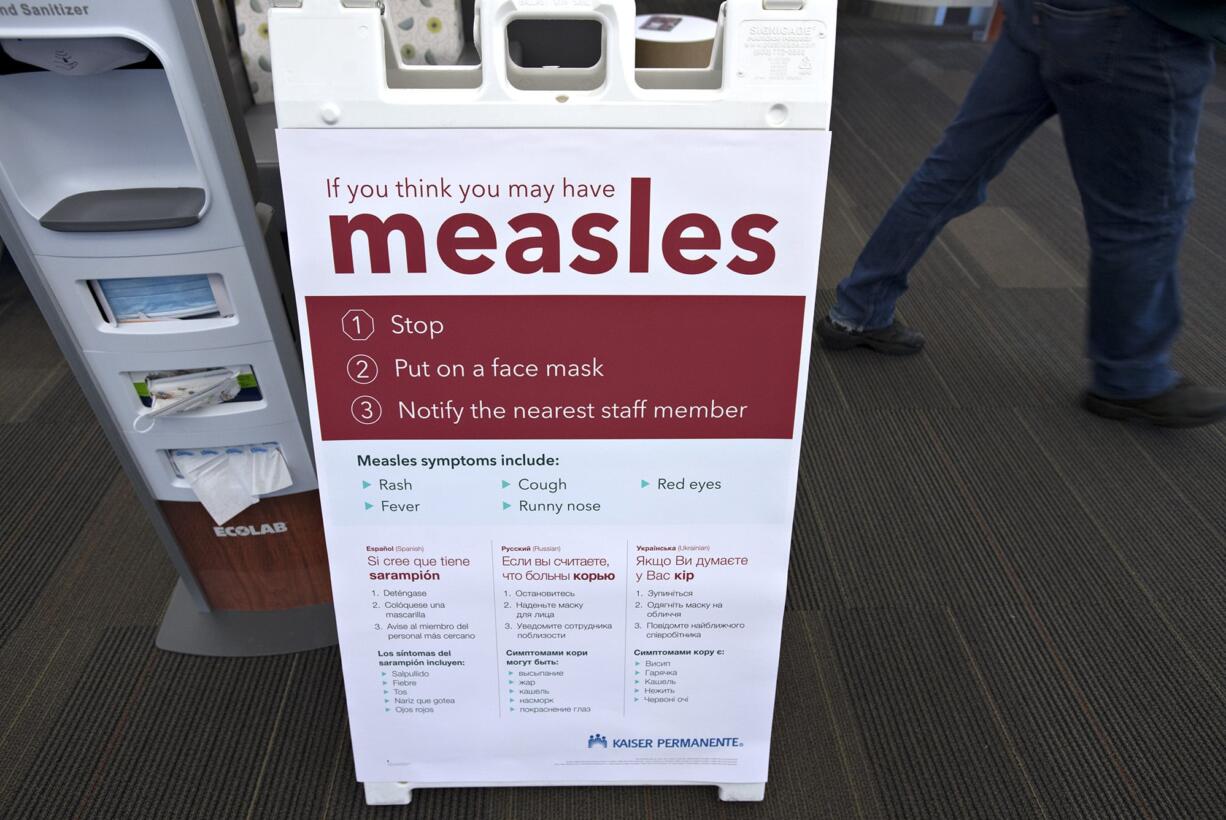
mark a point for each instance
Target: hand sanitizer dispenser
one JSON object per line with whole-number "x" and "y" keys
{"x": 125, "y": 202}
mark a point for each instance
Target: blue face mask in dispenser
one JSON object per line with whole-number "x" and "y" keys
{"x": 159, "y": 297}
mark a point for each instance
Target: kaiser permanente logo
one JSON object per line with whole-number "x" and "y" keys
{"x": 599, "y": 741}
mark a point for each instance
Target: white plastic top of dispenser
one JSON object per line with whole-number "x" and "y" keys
{"x": 773, "y": 68}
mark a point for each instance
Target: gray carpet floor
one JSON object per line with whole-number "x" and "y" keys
{"x": 998, "y": 606}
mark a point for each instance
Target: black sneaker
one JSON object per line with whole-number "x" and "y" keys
{"x": 895, "y": 340}
{"x": 1187, "y": 404}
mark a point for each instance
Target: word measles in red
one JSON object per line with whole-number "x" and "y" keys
{"x": 464, "y": 239}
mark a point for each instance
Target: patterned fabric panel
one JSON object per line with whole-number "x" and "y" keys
{"x": 229, "y": 42}
{"x": 423, "y": 32}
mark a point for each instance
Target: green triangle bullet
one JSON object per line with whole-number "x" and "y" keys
{"x": 365, "y": 484}
{"x": 644, "y": 484}
{"x": 369, "y": 505}
{"x": 506, "y": 484}
{"x": 506, "y": 506}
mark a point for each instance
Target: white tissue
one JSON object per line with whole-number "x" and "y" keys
{"x": 268, "y": 470}
{"x": 216, "y": 481}
{"x": 228, "y": 481}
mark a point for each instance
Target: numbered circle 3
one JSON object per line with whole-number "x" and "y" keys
{"x": 366, "y": 409}
{"x": 362, "y": 369}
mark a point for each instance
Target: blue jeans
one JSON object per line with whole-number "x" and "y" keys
{"x": 1128, "y": 89}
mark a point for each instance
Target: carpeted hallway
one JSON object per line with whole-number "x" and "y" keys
{"x": 999, "y": 606}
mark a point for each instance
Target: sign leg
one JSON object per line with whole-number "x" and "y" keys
{"x": 742, "y": 792}
{"x": 389, "y": 793}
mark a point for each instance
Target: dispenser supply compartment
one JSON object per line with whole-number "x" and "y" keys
{"x": 155, "y": 384}
{"x": 124, "y": 300}
{"x": 176, "y": 395}
{"x": 250, "y": 379}
{"x": 228, "y": 480}
{"x": 193, "y": 393}
{"x": 237, "y": 320}
{"x": 153, "y": 451}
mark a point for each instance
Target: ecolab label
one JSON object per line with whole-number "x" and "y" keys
{"x": 251, "y": 529}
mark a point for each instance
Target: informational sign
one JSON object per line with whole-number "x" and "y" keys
{"x": 557, "y": 382}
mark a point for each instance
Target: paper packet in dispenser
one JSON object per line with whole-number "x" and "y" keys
{"x": 189, "y": 390}
{"x": 228, "y": 480}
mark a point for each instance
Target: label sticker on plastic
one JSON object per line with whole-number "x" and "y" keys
{"x": 786, "y": 52}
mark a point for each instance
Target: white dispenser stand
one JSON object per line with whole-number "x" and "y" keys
{"x": 134, "y": 173}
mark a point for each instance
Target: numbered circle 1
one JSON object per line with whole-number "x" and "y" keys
{"x": 358, "y": 325}
{"x": 362, "y": 369}
{"x": 366, "y": 409}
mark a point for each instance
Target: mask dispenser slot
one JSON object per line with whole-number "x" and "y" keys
{"x": 196, "y": 301}
{"x": 130, "y": 300}
{"x": 229, "y": 479}
{"x": 161, "y": 386}
{"x": 168, "y": 476}
{"x": 240, "y": 388}
{"x": 179, "y": 457}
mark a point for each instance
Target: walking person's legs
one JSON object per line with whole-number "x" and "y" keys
{"x": 1005, "y": 104}
{"x": 1129, "y": 89}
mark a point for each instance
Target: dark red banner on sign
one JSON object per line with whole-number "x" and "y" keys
{"x": 555, "y": 367}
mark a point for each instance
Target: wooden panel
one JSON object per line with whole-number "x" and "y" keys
{"x": 270, "y": 556}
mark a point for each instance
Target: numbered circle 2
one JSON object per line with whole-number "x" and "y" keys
{"x": 362, "y": 369}
{"x": 366, "y": 409}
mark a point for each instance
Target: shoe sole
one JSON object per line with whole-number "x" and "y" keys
{"x": 844, "y": 343}
{"x": 1110, "y": 410}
